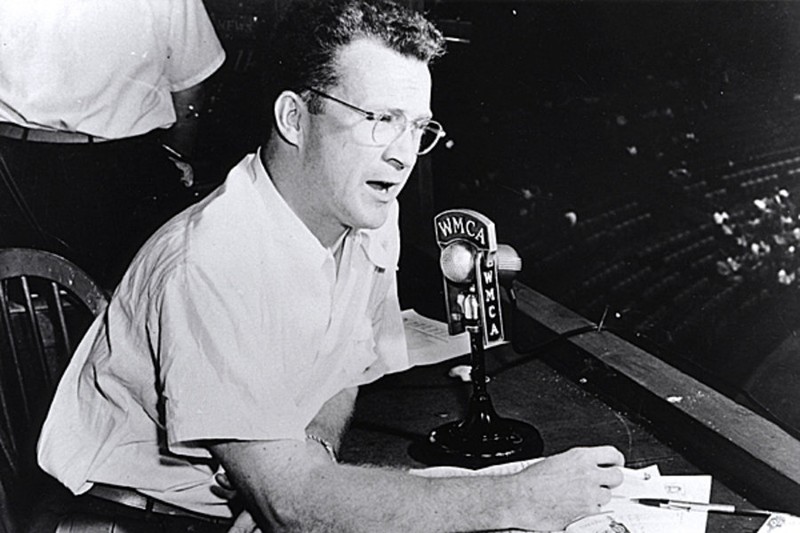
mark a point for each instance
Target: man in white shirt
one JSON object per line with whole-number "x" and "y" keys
{"x": 241, "y": 331}
{"x": 91, "y": 93}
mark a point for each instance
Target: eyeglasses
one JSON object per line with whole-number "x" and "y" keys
{"x": 389, "y": 126}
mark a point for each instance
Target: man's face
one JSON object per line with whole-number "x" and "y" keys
{"x": 351, "y": 180}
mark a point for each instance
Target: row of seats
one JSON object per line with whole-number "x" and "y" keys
{"x": 649, "y": 242}
{"x": 747, "y": 126}
{"x": 669, "y": 277}
{"x": 758, "y": 169}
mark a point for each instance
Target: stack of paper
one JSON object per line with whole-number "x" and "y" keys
{"x": 428, "y": 340}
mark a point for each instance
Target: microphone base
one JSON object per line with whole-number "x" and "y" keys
{"x": 482, "y": 439}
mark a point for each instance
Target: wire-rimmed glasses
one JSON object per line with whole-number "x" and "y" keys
{"x": 390, "y": 125}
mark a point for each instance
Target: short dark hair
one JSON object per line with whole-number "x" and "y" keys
{"x": 304, "y": 44}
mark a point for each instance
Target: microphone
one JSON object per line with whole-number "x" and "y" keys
{"x": 469, "y": 263}
{"x": 457, "y": 262}
{"x": 473, "y": 265}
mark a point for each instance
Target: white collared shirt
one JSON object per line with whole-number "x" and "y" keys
{"x": 100, "y": 67}
{"x": 231, "y": 323}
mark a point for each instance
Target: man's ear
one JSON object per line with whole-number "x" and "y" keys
{"x": 288, "y": 111}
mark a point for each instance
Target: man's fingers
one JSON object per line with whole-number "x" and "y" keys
{"x": 223, "y": 481}
{"x": 611, "y": 477}
{"x": 225, "y": 494}
{"x": 609, "y": 456}
{"x": 224, "y": 488}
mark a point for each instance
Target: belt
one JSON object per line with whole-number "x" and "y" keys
{"x": 13, "y": 131}
{"x": 137, "y": 500}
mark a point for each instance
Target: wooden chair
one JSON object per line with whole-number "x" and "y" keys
{"x": 46, "y": 304}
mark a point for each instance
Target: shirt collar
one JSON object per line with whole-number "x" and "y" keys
{"x": 376, "y": 248}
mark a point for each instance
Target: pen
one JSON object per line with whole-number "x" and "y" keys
{"x": 699, "y": 506}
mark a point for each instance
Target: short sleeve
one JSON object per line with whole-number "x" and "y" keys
{"x": 194, "y": 50}
{"x": 218, "y": 378}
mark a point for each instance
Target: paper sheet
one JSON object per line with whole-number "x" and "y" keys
{"x": 621, "y": 515}
{"x": 428, "y": 340}
{"x": 494, "y": 470}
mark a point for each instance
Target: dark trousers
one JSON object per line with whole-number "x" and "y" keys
{"x": 88, "y": 514}
{"x": 93, "y": 203}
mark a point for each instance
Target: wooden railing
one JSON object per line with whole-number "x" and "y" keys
{"x": 752, "y": 455}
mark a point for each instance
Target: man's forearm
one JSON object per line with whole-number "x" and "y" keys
{"x": 369, "y": 499}
{"x": 302, "y": 493}
{"x": 292, "y": 486}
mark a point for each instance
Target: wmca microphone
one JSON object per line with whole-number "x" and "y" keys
{"x": 472, "y": 265}
{"x": 469, "y": 264}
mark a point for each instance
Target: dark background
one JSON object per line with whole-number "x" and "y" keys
{"x": 641, "y": 118}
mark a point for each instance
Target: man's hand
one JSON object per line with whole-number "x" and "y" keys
{"x": 564, "y": 487}
{"x": 180, "y": 162}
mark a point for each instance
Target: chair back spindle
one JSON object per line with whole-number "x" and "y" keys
{"x": 46, "y": 304}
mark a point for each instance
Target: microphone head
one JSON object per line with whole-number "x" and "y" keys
{"x": 508, "y": 260}
{"x": 509, "y": 263}
{"x": 457, "y": 262}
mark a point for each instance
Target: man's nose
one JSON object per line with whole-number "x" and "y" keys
{"x": 402, "y": 152}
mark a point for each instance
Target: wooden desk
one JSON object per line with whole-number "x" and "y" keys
{"x": 394, "y": 411}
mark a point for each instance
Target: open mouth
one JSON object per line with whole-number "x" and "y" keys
{"x": 380, "y": 186}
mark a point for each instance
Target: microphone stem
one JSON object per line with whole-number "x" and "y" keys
{"x": 472, "y": 323}
{"x": 478, "y": 362}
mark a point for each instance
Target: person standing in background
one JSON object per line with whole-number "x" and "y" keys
{"x": 99, "y": 109}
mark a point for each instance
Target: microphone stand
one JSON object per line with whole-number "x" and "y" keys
{"x": 483, "y": 438}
